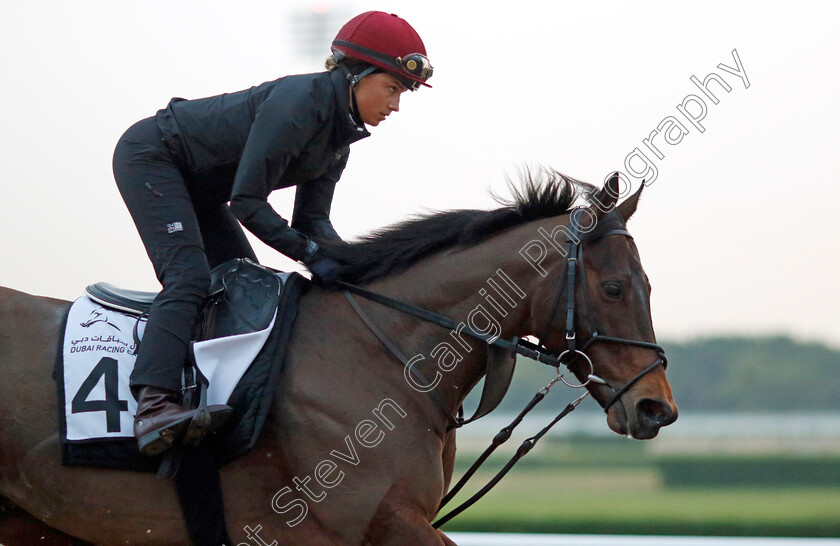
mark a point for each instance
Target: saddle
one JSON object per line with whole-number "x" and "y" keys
{"x": 242, "y": 299}
{"x": 245, "y": 298}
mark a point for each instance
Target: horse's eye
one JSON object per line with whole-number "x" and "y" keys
{"x": 612, "y": 289}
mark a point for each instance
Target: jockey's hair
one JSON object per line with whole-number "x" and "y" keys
{"x": 331, "y": 64}
{"x": 355, "y": 66}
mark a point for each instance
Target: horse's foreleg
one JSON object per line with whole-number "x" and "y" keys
{"x": 445, "y": 539}
{"x": 399, "y": 520}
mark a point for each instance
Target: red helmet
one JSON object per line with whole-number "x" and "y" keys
{"x": 385, "y": 41}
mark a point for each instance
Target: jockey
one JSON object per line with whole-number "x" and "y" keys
{"x": 191, "y": 174}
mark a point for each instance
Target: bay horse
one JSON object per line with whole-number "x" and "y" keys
{"x": 354, "y": 450}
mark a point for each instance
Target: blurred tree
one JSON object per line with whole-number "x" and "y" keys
{"x": 762, "y": 374}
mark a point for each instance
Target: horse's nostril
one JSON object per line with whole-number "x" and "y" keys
{"x": 655, "y": 413}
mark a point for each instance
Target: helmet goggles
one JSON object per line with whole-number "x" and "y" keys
{"x": 417, "y": 65}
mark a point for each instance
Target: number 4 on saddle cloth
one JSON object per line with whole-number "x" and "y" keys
{"x": 239, "y": 347}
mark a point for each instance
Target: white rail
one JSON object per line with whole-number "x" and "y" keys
{"x": 511, "y": 539}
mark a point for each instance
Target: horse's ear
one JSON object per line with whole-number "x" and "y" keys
{"x": 628, "y": 207}
{"x": 604, "y": 200}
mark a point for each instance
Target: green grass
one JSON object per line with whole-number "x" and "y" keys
{"x": 631, "y": 503}
{"x": 603, "y": 489}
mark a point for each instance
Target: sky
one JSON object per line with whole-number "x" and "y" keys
{"x": 738, "y": 232}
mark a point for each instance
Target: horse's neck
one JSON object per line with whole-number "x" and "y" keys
{"x": 490, "y": 287}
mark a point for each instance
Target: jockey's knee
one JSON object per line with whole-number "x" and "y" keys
{"x": 188, "y": 279}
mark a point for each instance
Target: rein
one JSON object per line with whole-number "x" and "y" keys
{"x": 539, "y": 353}
{"x": 516, "y": 345}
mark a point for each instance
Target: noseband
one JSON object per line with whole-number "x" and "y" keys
{"x": 574, "y": 262}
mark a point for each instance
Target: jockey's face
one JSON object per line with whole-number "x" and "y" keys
{"x": 377, "y": 95}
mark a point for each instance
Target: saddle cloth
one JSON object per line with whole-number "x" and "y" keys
{"x": 98, "y": 350}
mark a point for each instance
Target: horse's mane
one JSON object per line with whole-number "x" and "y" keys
{"x": 392, "y": 249}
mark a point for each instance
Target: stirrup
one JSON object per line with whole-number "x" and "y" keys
{"x": 205, "y": 419}
{"x": 158, "y": 441}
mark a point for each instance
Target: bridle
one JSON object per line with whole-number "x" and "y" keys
{"x": 574, "y": 268}
{"x": 539, "y": 352}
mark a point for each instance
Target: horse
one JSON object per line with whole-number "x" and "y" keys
{"x": 357, "y": 450}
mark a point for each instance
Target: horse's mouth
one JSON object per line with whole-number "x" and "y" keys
{"x": 647, "y": 417}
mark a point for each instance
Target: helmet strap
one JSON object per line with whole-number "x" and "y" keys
{"x": 354, "y": 108}
{"x": 354, "y": 79}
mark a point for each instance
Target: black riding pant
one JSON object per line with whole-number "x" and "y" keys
{"x": 184, "y": 237}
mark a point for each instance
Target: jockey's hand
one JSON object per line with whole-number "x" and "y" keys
{"x": 324, "y": 270}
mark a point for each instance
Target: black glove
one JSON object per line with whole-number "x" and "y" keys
{"x": 324, "y": 270}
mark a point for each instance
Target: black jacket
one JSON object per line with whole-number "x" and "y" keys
{"x": 239, "y": 147}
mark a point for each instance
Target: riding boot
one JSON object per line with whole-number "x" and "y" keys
{"x": 161, "y": 420}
